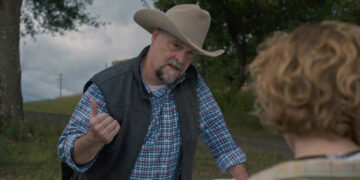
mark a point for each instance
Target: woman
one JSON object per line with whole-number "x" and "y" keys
{"x": 308, "y": 88}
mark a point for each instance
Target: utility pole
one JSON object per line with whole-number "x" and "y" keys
{"x": 60, "y": 83}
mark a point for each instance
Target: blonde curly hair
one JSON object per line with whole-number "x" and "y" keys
{"x": 308, "y": 81}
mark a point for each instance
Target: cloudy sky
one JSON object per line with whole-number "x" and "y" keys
{"x": 79, "y": 55}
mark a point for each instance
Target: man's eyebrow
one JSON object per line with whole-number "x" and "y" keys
{"x": 184, "y": 44}
{"x": 179, "y": 41}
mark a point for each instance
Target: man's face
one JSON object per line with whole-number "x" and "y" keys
{"x": 171, "y": 56}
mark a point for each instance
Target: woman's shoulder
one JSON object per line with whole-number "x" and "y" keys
{"x": 320, "y": 168}
{"x": 272, "y": 172}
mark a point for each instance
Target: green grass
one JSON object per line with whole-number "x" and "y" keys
{"x": 63, "y": 105}
{"x": 31, "y": 159}
{"x": 205, "y": 165}
{"x": 238, "y": 111}
{"x": 37, "y": 159}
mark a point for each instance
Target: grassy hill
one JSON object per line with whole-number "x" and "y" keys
{"x": 62, "y": 105}
{"x": 237, "y": 110}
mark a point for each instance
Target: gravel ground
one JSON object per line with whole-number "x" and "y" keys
{"x": 246, "y": 141}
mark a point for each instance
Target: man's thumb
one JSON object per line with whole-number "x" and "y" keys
{"x": 94, "y": 108}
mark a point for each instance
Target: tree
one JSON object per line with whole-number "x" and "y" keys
{"x": 238, "y": 26}
{"x": 35, "y": 16}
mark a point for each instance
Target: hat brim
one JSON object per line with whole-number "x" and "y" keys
{"x": 150, "y": 19}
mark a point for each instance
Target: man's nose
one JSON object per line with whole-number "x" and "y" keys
{"x": 180, "y": 57}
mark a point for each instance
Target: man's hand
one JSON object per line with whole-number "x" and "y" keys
{"x": 239, "y": 172}
{"x": 103, "y": 129}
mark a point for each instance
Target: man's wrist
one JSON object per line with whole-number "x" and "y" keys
{"x": 239, "y": 172}
{"x": 85, "y": 149}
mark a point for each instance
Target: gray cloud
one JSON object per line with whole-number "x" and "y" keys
{"x": 115, "y": 11}
{"x": 79, "y": 55}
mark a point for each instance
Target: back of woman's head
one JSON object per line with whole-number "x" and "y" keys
{"x": 308, "y": 81}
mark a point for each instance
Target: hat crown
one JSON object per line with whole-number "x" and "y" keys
{"x": 187, "y": 22}
{"x": 191, "y": 20}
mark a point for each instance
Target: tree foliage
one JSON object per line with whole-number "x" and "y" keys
{"x": 238, "y": 26}
{"x": 55, "y": 16}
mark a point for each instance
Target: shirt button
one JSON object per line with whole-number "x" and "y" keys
{"x": 163, "y": 166}
{"x": 166, "y": 140}
{"x": 165, "y": 116}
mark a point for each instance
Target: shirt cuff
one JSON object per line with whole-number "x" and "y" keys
{"x": 69, "y": 160}
{"x": 229, "y": 159}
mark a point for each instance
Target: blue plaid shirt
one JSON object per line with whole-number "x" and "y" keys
{"x": 160, "y": 154}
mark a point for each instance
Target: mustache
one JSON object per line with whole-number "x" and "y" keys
{"x": 174, "y": 63}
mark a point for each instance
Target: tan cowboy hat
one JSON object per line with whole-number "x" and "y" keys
{"x": 187, "y": 22}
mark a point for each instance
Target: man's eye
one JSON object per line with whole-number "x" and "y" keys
{"x": 191, "y": 53}
{"x": 175, "y": 45}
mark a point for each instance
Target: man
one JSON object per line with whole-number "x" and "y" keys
{"x": 308, "y": 87}
{"x": 140, "y": 119}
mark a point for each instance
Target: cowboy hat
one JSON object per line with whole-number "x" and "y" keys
{"x": 187, "y": 22}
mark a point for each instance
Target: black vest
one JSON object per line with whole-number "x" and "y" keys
{"x": 128, "y": 102}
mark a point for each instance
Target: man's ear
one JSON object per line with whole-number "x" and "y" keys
{"x": 155, "y": 34}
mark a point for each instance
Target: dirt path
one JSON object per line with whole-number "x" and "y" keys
{"x": 46, "y": 118}
{"x": 246, "y": 141}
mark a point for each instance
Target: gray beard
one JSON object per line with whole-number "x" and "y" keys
{"x": 162, "y": 76}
